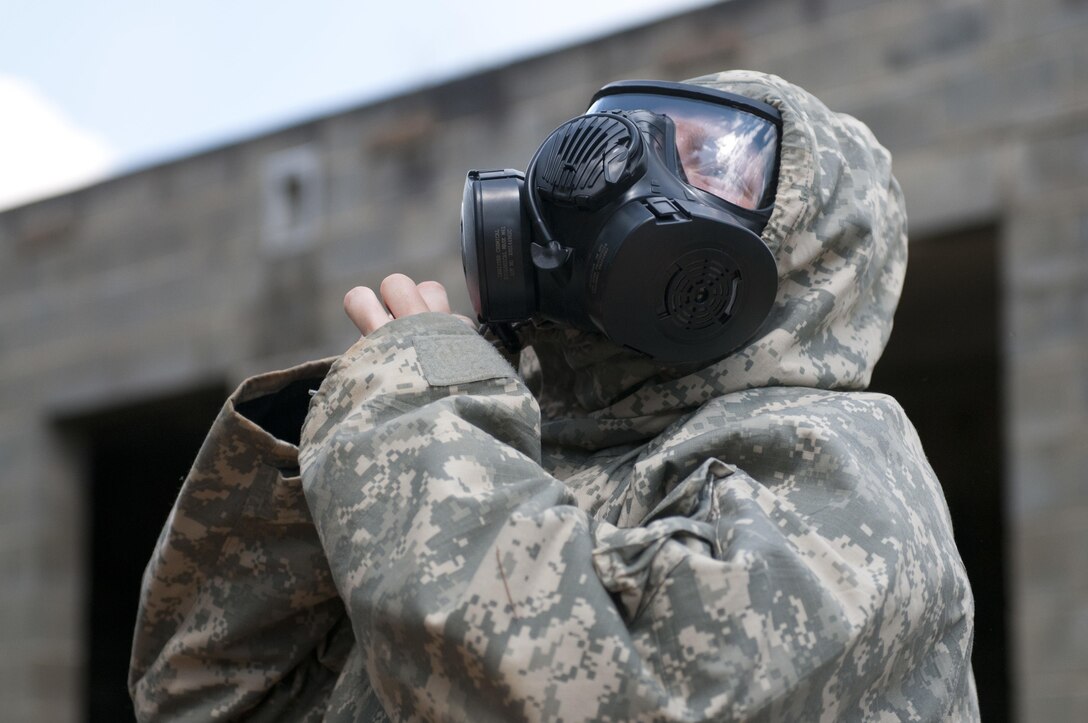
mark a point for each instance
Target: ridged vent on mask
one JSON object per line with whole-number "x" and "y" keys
{"x": 587, "y": 161}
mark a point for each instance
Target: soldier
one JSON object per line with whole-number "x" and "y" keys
{"x": 692, "y": 514}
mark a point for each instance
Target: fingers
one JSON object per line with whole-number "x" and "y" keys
{"x": 401, "y": 295}
{"x": 364, "y": 310}
{"x": 434, "y": 294}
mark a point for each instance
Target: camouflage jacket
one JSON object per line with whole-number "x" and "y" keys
{"x": 594, "y": 537}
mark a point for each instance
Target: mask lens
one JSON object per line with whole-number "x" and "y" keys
{"x": 724, "y": 150}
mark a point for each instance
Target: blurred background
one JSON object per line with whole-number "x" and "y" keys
{"x": 186, "y": 194}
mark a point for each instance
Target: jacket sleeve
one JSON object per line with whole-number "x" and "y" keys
{"x": 466, "y": 572}
{"x": 238, "y": 613}
{"x": 479, "y": 591}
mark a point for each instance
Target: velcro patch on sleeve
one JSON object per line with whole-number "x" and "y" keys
{"x": 459, "y": 359}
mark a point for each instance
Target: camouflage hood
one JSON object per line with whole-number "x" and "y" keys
{"x": 838, "y": 234}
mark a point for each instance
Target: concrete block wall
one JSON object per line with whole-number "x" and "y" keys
{"x": 165, "y": 278}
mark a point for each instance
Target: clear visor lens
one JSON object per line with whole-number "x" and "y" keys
{"x": 725, "y": 151}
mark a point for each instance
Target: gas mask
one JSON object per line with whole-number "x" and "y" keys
{"x": 640, "y": 219}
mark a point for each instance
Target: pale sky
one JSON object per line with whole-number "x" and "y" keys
{"x": 92, "y": 89}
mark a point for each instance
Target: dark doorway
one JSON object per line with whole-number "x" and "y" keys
{"x": 136, "y": 457}
{"x": 943, "y": 365}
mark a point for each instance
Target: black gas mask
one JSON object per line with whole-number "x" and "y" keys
{"x": 639, "y": 219}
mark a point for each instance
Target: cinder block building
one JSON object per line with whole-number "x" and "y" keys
{"x": 129, "y": 309}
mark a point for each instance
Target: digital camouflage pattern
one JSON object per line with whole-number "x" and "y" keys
{"x": 599, "y": 538}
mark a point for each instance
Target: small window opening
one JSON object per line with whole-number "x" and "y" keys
{"x": 292, "y": 199}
